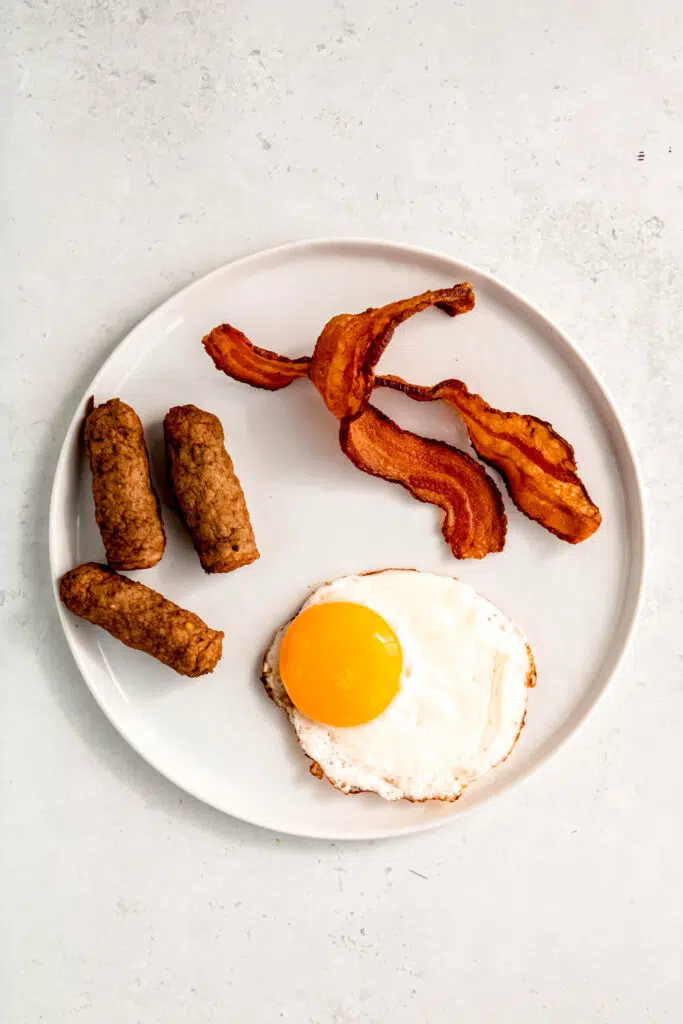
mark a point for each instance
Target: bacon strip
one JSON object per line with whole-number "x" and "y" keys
{"x": 234, "y": 354}
{"x": 475, "y": 522}
{"x": 538, "y": 465}
{"x": 351, "y": 344}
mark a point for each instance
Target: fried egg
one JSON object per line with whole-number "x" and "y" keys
{"x": 401, "y": 683}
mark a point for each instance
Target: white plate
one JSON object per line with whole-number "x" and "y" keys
{"x": 316, "y": 517}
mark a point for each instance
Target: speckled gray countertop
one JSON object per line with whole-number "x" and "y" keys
{"x": 147, "y": 143}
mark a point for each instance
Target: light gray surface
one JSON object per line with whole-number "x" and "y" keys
{"x": 150, "y": 142}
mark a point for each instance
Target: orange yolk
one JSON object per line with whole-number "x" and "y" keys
{"x": 340, "y": 663}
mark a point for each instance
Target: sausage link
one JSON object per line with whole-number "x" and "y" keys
{"x": 126, "y": 504}
{"x": 207, "y": 491}
{"x": 141, "y": 618}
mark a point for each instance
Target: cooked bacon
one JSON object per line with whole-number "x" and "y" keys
{"x": 234, "y": 354}
{"x": 351, "y": 344}
{"x": 475, "y": 522}
{"x": 537, "y": 464}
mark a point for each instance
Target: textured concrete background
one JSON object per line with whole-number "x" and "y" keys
{"x": 145, "y": 144}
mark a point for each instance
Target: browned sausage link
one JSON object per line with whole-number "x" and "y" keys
{"x": 126, "y": 505}
{"x": 141, "y": 618}
{"x": 208, "y": 493}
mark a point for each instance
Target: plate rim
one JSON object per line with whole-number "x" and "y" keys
{"x": 636, "y": 578}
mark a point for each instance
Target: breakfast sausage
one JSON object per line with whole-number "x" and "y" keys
{"x": 141, "y": 618}
{"x": 126, "y": 505}
{"x": 208, "y": 493}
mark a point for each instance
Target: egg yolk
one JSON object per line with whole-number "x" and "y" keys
{"x": 340, "y": 663}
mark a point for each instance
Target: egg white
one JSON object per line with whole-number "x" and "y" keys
{"x": 462, "y": 699}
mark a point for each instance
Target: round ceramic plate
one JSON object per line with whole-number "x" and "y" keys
{"x": 316, "y": 517}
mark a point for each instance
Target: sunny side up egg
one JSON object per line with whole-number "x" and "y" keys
{"x": 401, "y": 683}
